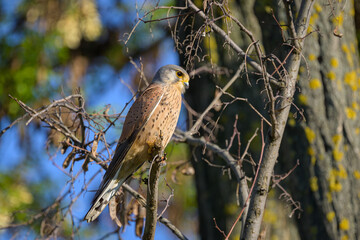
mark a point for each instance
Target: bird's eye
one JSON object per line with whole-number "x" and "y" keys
{"x": 179, "y": 74}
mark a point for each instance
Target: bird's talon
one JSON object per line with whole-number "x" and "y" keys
{"x": 162, "y": 163}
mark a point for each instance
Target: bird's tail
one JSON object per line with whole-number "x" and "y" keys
{"x": 103, "y": 199}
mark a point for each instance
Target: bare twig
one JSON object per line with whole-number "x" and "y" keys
{"x": 223, "y": 154}
{"x": 218, "y": 228}
{"x": 163, "y": 220}
{"x": 55, "y": 125}
{"x": 252, "y": 186}
{"x": 248, "y": 145}
{"x": 52, "y": 105}
{"x": 197, "y": 124}
{"x": 276, "y": 182}
{"x": 250, "y": 105}
{"x": 231, "y": 42}
{"x": 167, "y": 202}
{"x": 14, "y": 123}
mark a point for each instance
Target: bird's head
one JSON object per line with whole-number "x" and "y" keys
{"x": 172, "y": 74}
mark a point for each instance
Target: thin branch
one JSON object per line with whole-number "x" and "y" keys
{"x": 142, "y": 201}
{"x": 223, "y": 154}
{"x": 167, "y": 202}
{"x": 250, "y": 105}
{"x": 152, "y": 199}
{"x": 54, "y": 103}
{"x": 231, "y": 42}
{"x": 174, "y": 229}
{"x": 165, "y": 18}
{"x": 60, "y": 127}
{"x": 252, "y": 186}
{"x": 218, "y": 228}
{"x": 14, "y": 123}
{"x": 248, "y": 145}
{"x": 287, "y": 196}
{"x": 197, "y": 124}
{"x": 290, "y": 20}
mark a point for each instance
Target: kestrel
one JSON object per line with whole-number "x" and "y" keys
{"x": 150, "y": 121}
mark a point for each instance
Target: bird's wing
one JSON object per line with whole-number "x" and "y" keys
{"x": 138, "y": 115}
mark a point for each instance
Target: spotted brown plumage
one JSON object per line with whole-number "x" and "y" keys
{"x": 150, "y": 121}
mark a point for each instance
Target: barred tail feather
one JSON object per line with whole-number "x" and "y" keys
{"x": 103, "y": 199}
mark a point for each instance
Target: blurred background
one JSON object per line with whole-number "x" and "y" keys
{"x": 47, "y": 50}
{"x": 51, "y": 48}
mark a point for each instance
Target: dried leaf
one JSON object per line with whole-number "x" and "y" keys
{"x": 135, "y": 208}
{"x": 139, "y": 223}
{"x": 64, "y": 146}
{"x": 132, "y": 209}
{"x": 116, "y": 208}
{"x": 106, "y": 116}
{"x": 86, "y": 163}
{"x": 205, "y": 5}
{"x": 95, "y": 144}
{"x": 262, "y": 234}
{"x": 173, "y": 176}
{"x": 218, "y": 104}
{"x": 69, "y": 158}
{"x": 337, "y": 33}
{"x": 93, "y": 152}
{"x": 188, "y": 171}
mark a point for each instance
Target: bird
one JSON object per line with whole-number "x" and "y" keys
{"x": 150, "y": 123}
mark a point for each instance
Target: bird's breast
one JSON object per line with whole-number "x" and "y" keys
{"x": 162, "y": 123}
{"x": 156, "y": 132}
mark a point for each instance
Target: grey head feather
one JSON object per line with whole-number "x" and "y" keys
{"x": 167, "y": 74}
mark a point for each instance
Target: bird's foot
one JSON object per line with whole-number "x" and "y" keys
{"x": 162, "y": 159}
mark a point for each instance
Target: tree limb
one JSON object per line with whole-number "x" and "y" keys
{"x": 152, "y": 199}
{"x": 163, "y": 220}
{"x": 235, "y": 46}
{"x": 227, "y": 157}
{"x": 258, "y": 199}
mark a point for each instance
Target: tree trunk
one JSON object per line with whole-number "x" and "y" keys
{"x": 328, "y": 142}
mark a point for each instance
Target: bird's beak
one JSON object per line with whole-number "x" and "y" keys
{"x": 186, "y": 83}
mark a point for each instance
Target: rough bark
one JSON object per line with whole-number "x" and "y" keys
{"x": 152, "y": 199}
{"x": 328, "y": 142}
